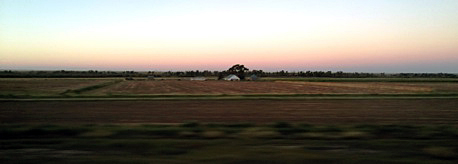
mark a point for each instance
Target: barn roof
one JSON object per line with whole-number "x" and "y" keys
{"x": 232, "y": 76}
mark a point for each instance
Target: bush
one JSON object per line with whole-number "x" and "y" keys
{"x": 311, "y": 135}
{"x": 396, "y": 131}
{"x": 282, "y": 125}
{"x": 155, "y": 132}
{"x": 187, "y": 134}
{"x": 259, "y": 133}
{"x": 97, "y": 133}
{"x": 213, "y": 134}
{"x": 445, "y": 131}
{"x": 240, "y": 125}
{"x": 328, "y": 129}
{"x": 190, "y": 124}
{"x": 354, "y": 135}
{"x": 441, "y": 152}
{"x": 289, "y": 131}
{"x": 40, "y": 132}
{"x": 171, "y": 151}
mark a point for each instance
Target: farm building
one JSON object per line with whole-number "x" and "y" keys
{"x": 232, "y": 77}
{"x": 254, "y": 77}
{"x": 198, "y": 79}
{"x": 150, "y": 77}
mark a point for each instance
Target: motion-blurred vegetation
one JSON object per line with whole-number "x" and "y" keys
{"x": 194, "y": 142}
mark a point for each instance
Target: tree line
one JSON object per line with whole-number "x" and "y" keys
{"x": 207, "y": 73}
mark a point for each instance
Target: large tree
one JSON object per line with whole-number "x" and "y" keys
{"x": 238, "y": 70}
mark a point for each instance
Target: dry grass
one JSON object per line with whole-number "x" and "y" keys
{"x": 257, "y": 132}
{"x": 374, "y": 87}
{"x": 44, "y": 86}
{"x": 56, "y": 86}
{"x": 268, "y": 87}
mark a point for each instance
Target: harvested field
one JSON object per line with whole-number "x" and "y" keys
{"x": 370, "y": 79}
{"x": 396, "y": 111}
{"x": 437, "y": 87}
{"x": 55, "y": 86}
{"x": 44, "y": 86}
{"x": 269, "y": 87}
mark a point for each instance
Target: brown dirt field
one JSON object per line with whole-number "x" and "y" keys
{"x": 315, "y": 111}
{"x": 279, "y": 87}
{"x": 438, "y": 87}
{"x": 374, "y": 87}
{"x": 44, "y": 86}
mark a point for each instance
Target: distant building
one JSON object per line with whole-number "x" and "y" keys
{"x": 232, "y": 77}
{"x": 198, "y": 79}
{"x": 253, "y": 77}
{"x": 150, "y": 77}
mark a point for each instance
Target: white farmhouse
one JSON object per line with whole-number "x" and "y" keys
{"x": 150, "y": 77}
{"x": 232, "y": 77}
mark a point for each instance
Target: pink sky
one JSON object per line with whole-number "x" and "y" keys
{"x": 376, "y": 36}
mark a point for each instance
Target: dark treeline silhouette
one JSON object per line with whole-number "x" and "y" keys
{"x": 206, "y": 73}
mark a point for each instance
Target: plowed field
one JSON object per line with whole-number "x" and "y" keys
{"x": 320, "y": 111}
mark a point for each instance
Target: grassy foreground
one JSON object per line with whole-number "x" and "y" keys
{"x": 228, "y": 143}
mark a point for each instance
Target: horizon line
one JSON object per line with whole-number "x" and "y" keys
{"x": 293, "y": 71}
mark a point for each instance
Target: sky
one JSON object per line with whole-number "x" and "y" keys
{"x": 270, "y": 35}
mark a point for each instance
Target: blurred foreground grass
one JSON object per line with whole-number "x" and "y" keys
{"x": 193, "y": 142}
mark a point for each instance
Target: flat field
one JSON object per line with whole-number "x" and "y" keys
{"x": 313, "y": 111}
{"x": 45, "y": 86}
{"x": 267, "y": 87}
{"x": 35, "y": 87}
{"x": 269, "y": 121}
{"x": 330, "y": 79}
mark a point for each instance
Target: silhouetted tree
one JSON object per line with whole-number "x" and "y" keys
{"x": 220, "y": 76}
{"x": 238, "y": 70}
